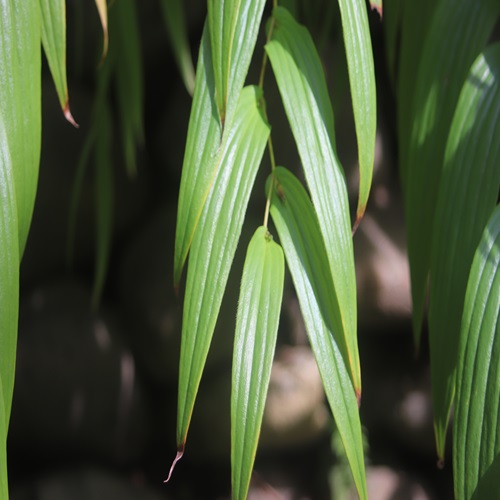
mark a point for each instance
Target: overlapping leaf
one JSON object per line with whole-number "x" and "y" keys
{"x": 214, "y": 245}
{"x": 358, "y": 47}
{"x": 302, "y": 86}
{"x": 458, "y": 31}
{"x": 233, "y": 27}
{"x": 306, "y": 256}
{"x": 173, "y": 13}
{"x": 476, "y": 436}
{"x": 200, "y": 158}
{"x": 467, "y": 195}
{"x": 257, "y": 321}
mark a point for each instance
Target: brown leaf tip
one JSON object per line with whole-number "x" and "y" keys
{"x": 440, "y": 463}
{"x": 358, "y": 397}
{"x": 180, "y": 452}
{"x": 378, "y": 8}
{"x": 69, "y": 116}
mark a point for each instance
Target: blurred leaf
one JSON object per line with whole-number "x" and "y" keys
{"x": 302, "y": 86}
{"x": 306, "y": 256}
{"x": 476, "y": 437}
{"x": 377, "y": 5}
{"x": 393, "y": 14}
{"x": 233, "y": 27}
{"x": 20, "y": 70}
{"x": 53, "y": 15}
{"x": 358, "y": 48}
{"x": 102, "y": 8}
{"x": 257, "y": 321}
{"x": 214, "y": 244}
{"x": 467, "y": 195}
{"x": 200, "y": 158}
{"x": 125, "y": 45}
{"x": 458, "y": 31}
{"x": 173, "y": 13}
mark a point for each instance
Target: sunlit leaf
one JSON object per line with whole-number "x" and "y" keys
{"x": 358, "y": 48}
{"x": 233, "y": 27}
{"x": 302, "y": 86}
{"x": 200, "y": 158}
{"x": 476, "y": 436}
{"x": 53, "y": 14}
{"x": 299, "y": 233}
{"x": 102, "y": 8}
{"x": 458, "y": 31}
{"x": 257, "y": 321}
{"x": 173, "y": 13}
{"x": 467, "y": 195}
{"x": 214, "y": 245}
{"x": 20, "y": 69}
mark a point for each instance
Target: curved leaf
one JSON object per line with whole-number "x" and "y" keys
{"x": 476, "y": 436}
{"x": 297, "y": 225}
{"x": 302, "y": 86}
{"x": 257, "y": 321}
{"x": 358, "y": 47}
{"x": 467, "y": 195}
{"x": 233, "y": 27}
{"x": 214, "y": 245}
{"x": 200, "y": 158}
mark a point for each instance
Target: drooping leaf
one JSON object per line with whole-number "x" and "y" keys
{"x": 476, "y": 433}
{"x": 214, "y": 245}
{"x": 458, "y": 31}
{"x": 306, "y": 256}
{"x": 102, "y": 8}
{"x": 20, "y": 69}
{"x": 467, "y": 195}
{"x": 53, "y": 15}
{"x": 200, "y": 157}
{"x": 257, "y": 321}
{"x": 358, "y": 48}
{"x": 173, "y": 13}
{"x": 233, "y": 27}
{"x": 302, "y": 86}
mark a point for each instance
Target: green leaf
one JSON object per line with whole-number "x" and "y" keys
{"x": 362, "y": 81}
{"x": 476, "y": 436}
{"x": 302, "y": 86}
{"x": 459, "y": 30}
{"x": 214, "y": 245}
{"x": 200, "y": 158}
{"x": 393, "y": 14}
{"x": 102, "y": 8}
{"x": 20, "y": 70}
{"x": 306, "y": 256}
{"x": 173, "y": 13}
{"x": 257, "y": 321}
{"x": 467, "y": 195}
{"x": 233, "y": 27}
{"x": 53, "y": 13}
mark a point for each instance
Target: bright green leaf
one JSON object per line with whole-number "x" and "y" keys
{"x": 20, "y": 69}
{"x": 233, "y": 27}
{"x": 476, "y": 436}
{"x": 214, "y": 245}
{"x": 298, "y": 229}
{"x": 302, "y": 86}
{"x": 173, "y": 13}
{"x": 257, "y": 321}
{"x": 467, "y": 195}
{"x": 200, "y": 158}
{"x": 458, "y": 31}
{"x": 358, "y": 48}
{"x": 102, "y": 8}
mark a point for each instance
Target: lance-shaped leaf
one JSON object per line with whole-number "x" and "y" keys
{"x": 358, "y": 48}
{"x": 20, "y": 70}
{"x": 214, "y": 245}
{"x": 173, "y": 13}
{"x": 297, "y": 225}
{"x": 233, "y": 27}
{"x": 466, "y": 198}
{"x": 53, "y": 13}
{"x": 102, "y": 8}
{"x": 302, "y": 86}
{"x": 458, "y": 32}
{"x": 257, "y": 321}
{"x": 476, "y": 433}
{"x": 200, "y": 157}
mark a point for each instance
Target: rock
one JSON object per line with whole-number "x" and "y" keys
{"x": 76, "y": 390}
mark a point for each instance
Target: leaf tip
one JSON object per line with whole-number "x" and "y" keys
{"x": 378, "y": 7}
{"x": 440, "y": 463}
{"x": 178, "y": 456}
{"x": 69, "y": 116}
{"x": 359, "y": 216}
{"x": 358, "y": 396}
